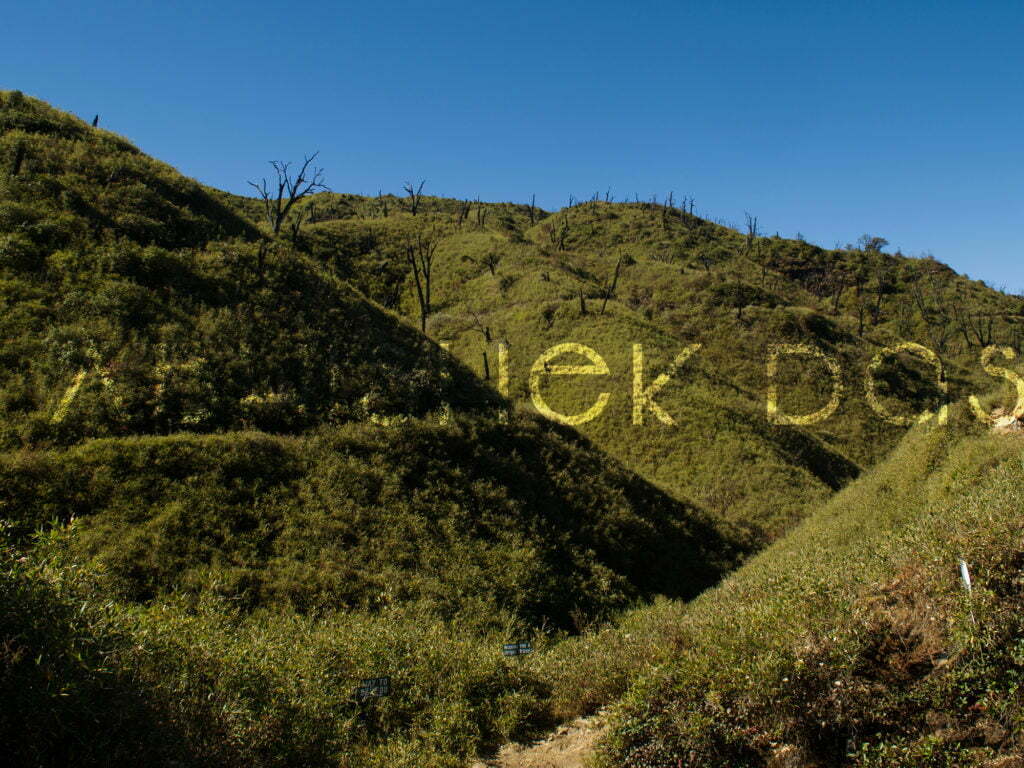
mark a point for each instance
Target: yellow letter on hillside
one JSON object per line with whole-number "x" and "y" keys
{"x": 992, "y": 370}
{"x": 877, "y": 407}
{"x": 541, "y": 367}
{"x": 645, "y": 397}
{"x": 775, "y": 351}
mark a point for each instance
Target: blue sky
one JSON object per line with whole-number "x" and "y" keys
{"x": 900, "y": 119}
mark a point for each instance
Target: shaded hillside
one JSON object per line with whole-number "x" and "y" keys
{"x": 492, "y": 521}
{"x": 236, "y": 588}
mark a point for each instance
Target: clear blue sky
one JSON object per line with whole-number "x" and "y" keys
{"x": 901, "y": 119}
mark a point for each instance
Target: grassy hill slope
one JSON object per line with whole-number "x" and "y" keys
{"x": 235, "y": 486}
{"x": 851, "y": 641}
{"x": 519, "y": 521}
{"x": 236, "y": 479}
{"x": 111, "y": 329}
{"x": 238, "y": 587}
{"x": 614, "y": 275}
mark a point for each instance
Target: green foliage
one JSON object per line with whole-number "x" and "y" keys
{"x": 77, "y": 184}
{"x": 248, "y": 582}
{"x": 293, "y": 489}
{"x": 92, "y": 681}
{"x": 66, "y": 701}
{"x": 233, "y": 336}
{"x": 850, "y": 641}
{"x": 520, "y": 522}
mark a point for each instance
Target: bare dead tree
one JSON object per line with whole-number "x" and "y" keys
{"x": 463, "y": 213}
{"x": 754, "y": 250}
{"x": 548, "y": 315}
{"x": 931, "y": 306}
{"x": 563, "y": 233}
{"x": 484, "y": 330}
{"x": 752, "y": 233}
{"x": 838, "y": 286}
{"x": 481, "y": 214}
{"x": 415, "y": 195}
{"x": 881, "y": 287}
{"x": 420, "y": 249}
{"x": 904, "y": 316}
{"x": 859, "y": 281}
{"x": 491, "y": 259}
{"x": 977, "y": 328}
{"x": 280, "y": 196}
{"x": 303, "y": 216}
{"x": 479, "y": 326}
{"x": 609, "y": 287}
{"x": 704, "y": 256}
{"x": 19, "y": 158}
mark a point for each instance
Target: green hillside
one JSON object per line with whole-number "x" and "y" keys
{"x": 216, "y": 445}
{"x": 613, "y": 275}
{"x": 518, "y": 521}
{"x": 66, "y": 183}
{"x": 199, "y": 559}
{"x": 242, "y": 470}
{"x": 852, "y": 641}
{"x": 111, "y": 329}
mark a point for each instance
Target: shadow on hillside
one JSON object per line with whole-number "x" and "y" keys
{"x": 64, "y": 703}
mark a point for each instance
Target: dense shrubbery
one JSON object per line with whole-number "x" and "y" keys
{"x": 167, "y": 341}
{"x": 240, "y": 586}
{"x": 66, "y": 701}
{"x": 519, "y": 522}
{"x": 88, "y": 680}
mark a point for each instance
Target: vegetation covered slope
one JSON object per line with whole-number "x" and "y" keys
{"x": 112, "y": 329}
{"x": 163, "y": 567}
{"x": 491, "y": 522}
{"x": 615, "y": 275}
{"x": 237, "y": 588}
{"x": 852, "y": 640}
{"x": 235, "y": 484}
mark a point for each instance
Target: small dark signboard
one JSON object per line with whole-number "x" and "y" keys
{"x": 373, "y": 688}
{"x": 517, "y": 649}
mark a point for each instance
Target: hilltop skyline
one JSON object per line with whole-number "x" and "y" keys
{"x": 819, "y": 120}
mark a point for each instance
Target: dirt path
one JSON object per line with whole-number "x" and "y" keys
{"x": 570, "y": 746}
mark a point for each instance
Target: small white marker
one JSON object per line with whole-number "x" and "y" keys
{"x": 965, "y": 575}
